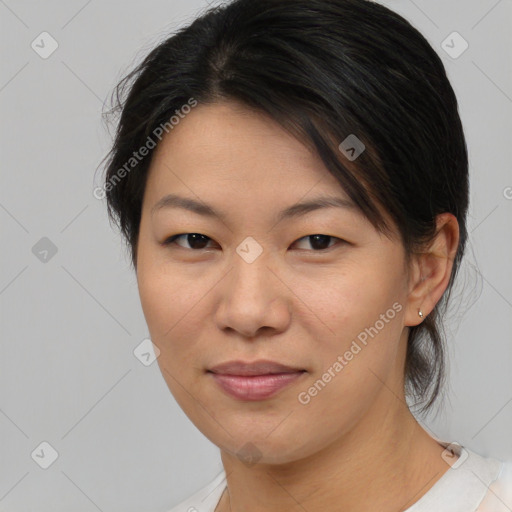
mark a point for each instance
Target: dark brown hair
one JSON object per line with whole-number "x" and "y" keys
{"x": 323, "y": 69}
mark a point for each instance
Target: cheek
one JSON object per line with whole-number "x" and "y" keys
{"x": 166, "y": 295}
{"x": 174, "y": 328}
{"x": 171, "y": 305}
{"x": 365, "y": 320}
{"x": 349, "y": 380}
{"x": 348, "y": 303}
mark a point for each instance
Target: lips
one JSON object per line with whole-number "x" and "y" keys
{"x": 261, "y": 367}
{"x": 258, "y": 380}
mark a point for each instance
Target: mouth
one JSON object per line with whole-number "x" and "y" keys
{"x": 261, "y": 367}
{"x": 254, "y": 381}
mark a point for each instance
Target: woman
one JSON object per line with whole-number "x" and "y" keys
{"x": 291, "y": 177}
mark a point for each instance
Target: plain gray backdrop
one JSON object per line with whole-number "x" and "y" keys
{"x": 72, "y": 392}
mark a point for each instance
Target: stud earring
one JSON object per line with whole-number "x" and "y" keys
{"x": 420, "y": 313}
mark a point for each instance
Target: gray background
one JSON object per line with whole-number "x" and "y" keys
{"x": 71, "y": 320}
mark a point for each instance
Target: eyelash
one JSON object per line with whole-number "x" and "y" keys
{"x": 172, "y": 241}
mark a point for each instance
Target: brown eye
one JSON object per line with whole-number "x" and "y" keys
{"x": 196, "y": 241}
{"x": 319, "y": 242}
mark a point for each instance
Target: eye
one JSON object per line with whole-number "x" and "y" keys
{"x": 319, "y": 242}
{"x": 198, "y": 241}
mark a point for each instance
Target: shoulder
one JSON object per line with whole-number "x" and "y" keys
{"x": 206, "y": 499}
{"x": 499, "y": 495}
{"x": 474, "y": 482}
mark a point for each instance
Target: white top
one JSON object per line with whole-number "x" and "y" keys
{"x": 473, "y": 484}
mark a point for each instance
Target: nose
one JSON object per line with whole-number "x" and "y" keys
{"x": 253, "y": 297}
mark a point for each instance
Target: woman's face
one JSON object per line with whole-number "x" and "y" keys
{"x": 254, "y": 285}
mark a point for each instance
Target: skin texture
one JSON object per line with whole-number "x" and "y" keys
{"x": 354, "y": 446}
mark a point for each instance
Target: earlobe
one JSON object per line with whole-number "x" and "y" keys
{"x": 431, "y": 270}
{"x": 418, "y": 290}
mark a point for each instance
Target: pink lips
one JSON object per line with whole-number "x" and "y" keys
{"x": 254, "y": 381}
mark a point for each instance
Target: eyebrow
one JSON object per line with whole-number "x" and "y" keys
{"x": 296, "y": 210}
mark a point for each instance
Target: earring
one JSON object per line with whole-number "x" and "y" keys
{"x": 420, "y": 313}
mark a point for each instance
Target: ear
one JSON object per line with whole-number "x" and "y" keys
{"x": 431, "y": 270}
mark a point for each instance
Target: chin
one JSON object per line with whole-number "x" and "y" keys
{"x": 260, "y": 448}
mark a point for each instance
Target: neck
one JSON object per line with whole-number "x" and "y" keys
{"x": 386, "y": 469}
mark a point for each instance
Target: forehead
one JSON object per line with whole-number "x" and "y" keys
{"x": 227, "y": 146}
